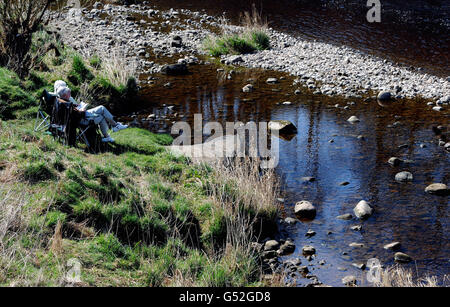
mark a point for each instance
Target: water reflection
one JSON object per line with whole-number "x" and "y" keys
{"x": 333, "y": 151}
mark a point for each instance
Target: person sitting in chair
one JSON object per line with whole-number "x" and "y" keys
{"x": 100, "y": 115}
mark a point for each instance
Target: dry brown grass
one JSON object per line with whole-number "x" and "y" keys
{"x": 396, "y": 276}
{"x": 254, "y": 20}
{"x": 56, "y": 246}
{"x": 116, "y": 69}
{"x": 242, "y": 182}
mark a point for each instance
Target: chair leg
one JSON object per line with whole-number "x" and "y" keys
{"x": 41, "y": 122}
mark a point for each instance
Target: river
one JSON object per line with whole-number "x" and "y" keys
{"x": 329, "y": 148}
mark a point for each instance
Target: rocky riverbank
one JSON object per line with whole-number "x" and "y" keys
{"x": 150, "y": 38}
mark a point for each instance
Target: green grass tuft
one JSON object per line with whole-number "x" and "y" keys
{"x": 237, "y": 44}
{"x": 13, "y": 97}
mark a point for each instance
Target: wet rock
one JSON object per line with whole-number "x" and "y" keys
{"x": 437, "y": 189}
{"x": 392, "y": 246}
{"x": 295, "y": 262}
{"x": 356, "y": 245}
{"x": 233, "y": 60}
{"x": 249, "y": 88}
{"x": 363, "y": 210}
{"x": 353, "y": 119}
{"x": 345, "y": 217}
{"x": 271, "y": 245}
{"x": 290, "y": 221}
{"x": 394, "y": 161}
{"x": 297, "y": 92}
{"x": 305, "y": 209}
{"x": 303, "y": 270}
{"x": 282, "y": 126}
{"x": 308, "y": 179}
{"x": 447, "y": 146}
{"x": 360, "y": 266}
{"x": 349, "y": 281}
{"x": 322, "y": 262}
{"x": 402, "y": 257}
{"x": 356, "y": 228}
{"x": 310, "y": 233}
{"x": 175, "y": 69}
{"x": 384, "y": 96}
{"x": 404, "y": 177}
{"x": 345, "y": 183}
{"x": 269, "y": 254}
{"x": 308, "y": 250}
{"x": 287, "y": 248}
{"x": 272, "y": 81}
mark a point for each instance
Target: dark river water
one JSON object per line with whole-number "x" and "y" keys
{"x": 328, "y": 148}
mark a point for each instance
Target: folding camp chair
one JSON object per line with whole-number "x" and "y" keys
{"x": 46, "y": 103}
{"x": 62, "y": 122}
{"x": 88, "y": 134}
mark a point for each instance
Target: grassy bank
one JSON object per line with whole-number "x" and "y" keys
{"x": 135, "y": 215}
{"x": 132, "y": 215}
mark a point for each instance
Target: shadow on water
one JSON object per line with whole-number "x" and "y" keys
{"x": 332, "y": 150}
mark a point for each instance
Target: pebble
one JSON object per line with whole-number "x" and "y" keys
{"x": 353, "y": 119}
{"x": 402, "y": 257}
{"x": 392, "y": 246}
{"x": 346, "y": 217}
{"x": 308, "y": 250}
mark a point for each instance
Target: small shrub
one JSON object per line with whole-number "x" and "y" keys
{"x": 230, "y": 45}
{"x": 53, "y": 217}
{"x": 37, "y": 171}
{"x": 79, "y": 73}
{"x": 13, "y": 97}
{"x": 260, "y": 40}
{"x": 108, "y": 246}
{"x": 95, "y": 62}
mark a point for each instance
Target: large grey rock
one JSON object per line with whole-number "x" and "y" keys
{"x": 384, "y": 96}
{"x": 308, "y": 250}
{"x": 305, "y": 209}
{"x": 402, "y": 257}
{"x": 287, "y": 248}
{"x": 403, "y": 177}
{"x": 271, "y": 245}
{"x": 175, "y": 69}
{"x": 392, "y": 246}
{"x": 283, "y": 126}
{"x": 353, "y": 119}
{"x": 437, "y": 189}
{"x": 363, "y": 210}
{"x": 394, "y": 161}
